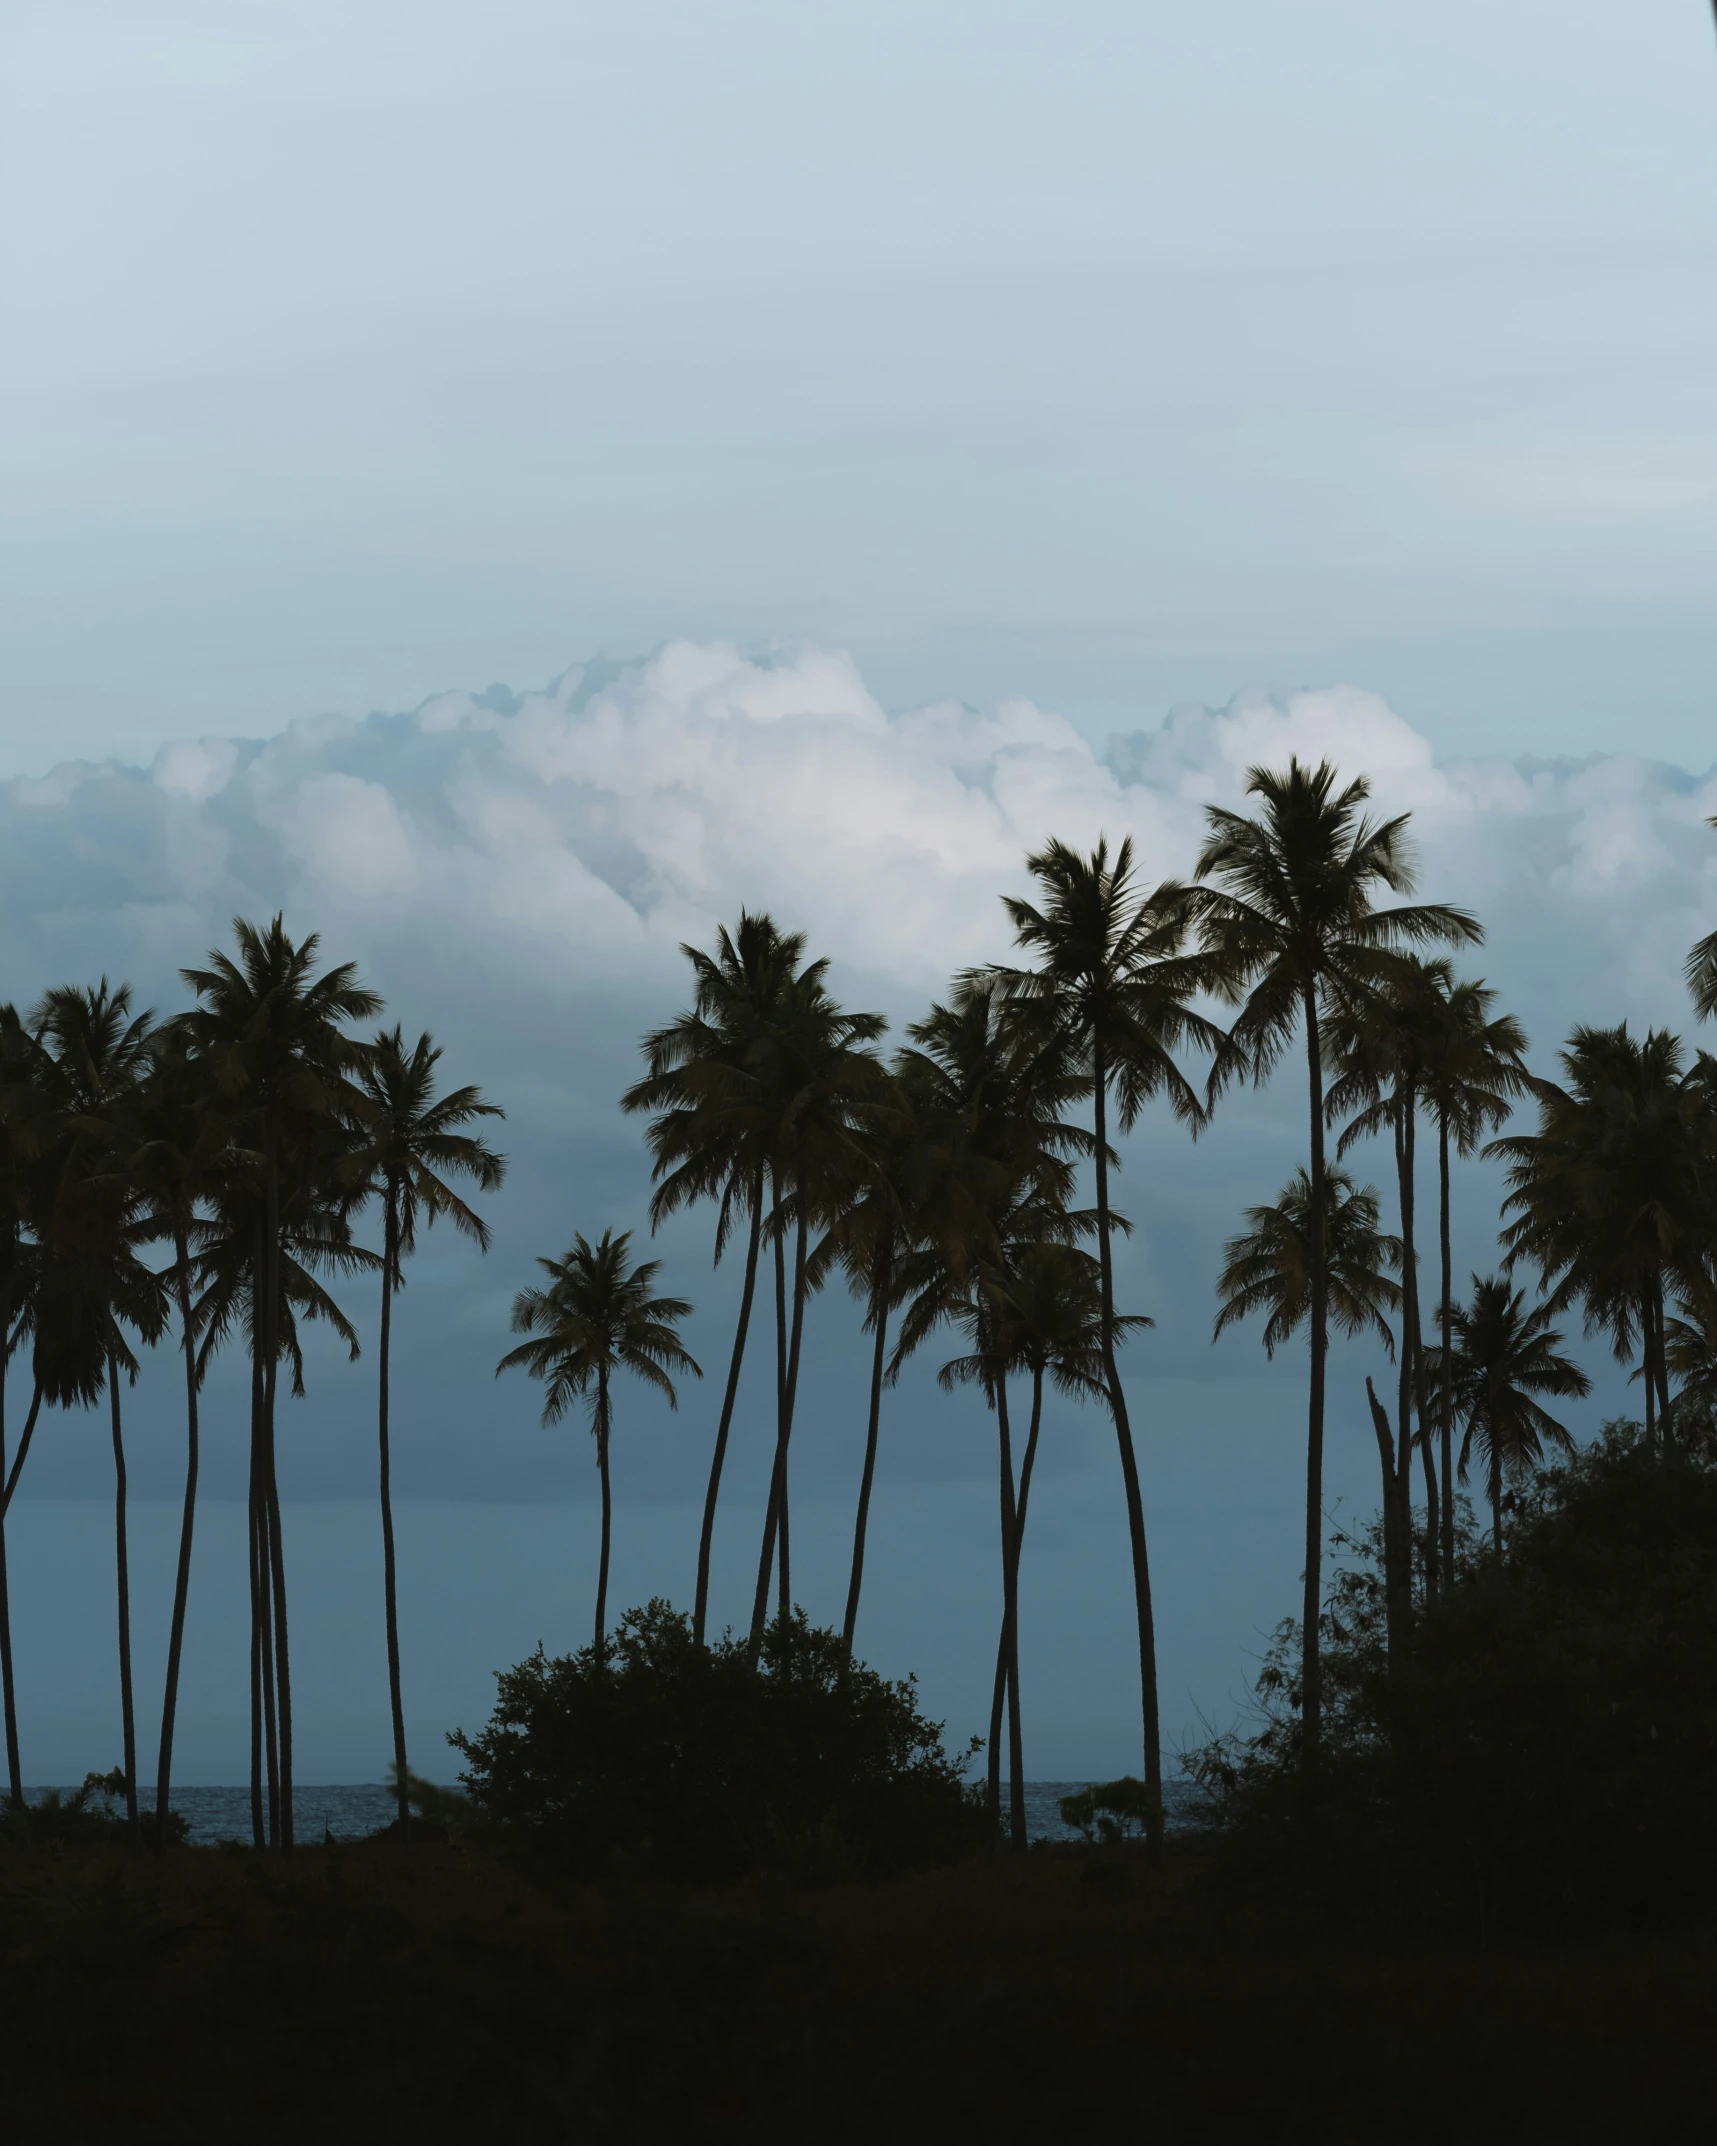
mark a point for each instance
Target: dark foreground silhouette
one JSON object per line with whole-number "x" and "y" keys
{"x": 415, "y": 1991}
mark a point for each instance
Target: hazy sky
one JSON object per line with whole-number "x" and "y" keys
{"x": 1118, "y": 354}
{"x": 915, "y": 404}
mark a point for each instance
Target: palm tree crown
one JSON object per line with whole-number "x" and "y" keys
{"x": 598, "y": 1315}
{"x": 1504, "y": 1356}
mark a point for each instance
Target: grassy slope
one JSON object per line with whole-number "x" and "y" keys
{"x": 377, "y": 1994}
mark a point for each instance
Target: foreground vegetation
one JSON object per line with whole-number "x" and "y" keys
{"x": 412, "y": 1991}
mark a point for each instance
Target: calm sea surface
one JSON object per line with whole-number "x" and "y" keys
{"x": 348, "y": 1810}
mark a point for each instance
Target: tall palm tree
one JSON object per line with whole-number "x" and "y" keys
{"x": 1271, "y": 1268}
{"x": 1046, "y": 1318}
{"x": 411, "y": 1142}
{"x": 867, "y": 1236}
{"x": 229, "y": 1261}
{"x": 822, "y": 1077}
{"x": 1113, "y": 986}
{"x": 176, "y": 1141}
{"x": 95, "y": 1052}
{"x": 1377, "y": 1044}
{"x": 993, "y": 1168}
{"x": 1503, "y": 1356}
{"x": 20, "y": 1105}
{"x": 1289, "y": 927}
{"x": 273, "y": 1034}
{"x": 706, "y": 1086}
{"x": 1610, "y": 1196}
{"x": 599, "y": 1315}
{"x": 1475, "y": 1069}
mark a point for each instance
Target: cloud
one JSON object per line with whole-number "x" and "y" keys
{"x": 584, "y": 831}
{"x": 519, "y": 871}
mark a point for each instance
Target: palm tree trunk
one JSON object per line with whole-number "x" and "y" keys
{"x": 607, "y": 1508}
{"x": 283, "y": 1660}
{"x": 1399, "y": 1579}
{"x": 1661, "y": 1354}
{"x": 390, "y": 1260}
{"x": 766, "y": 1562}
{"x": 1496, "y": 1505}
{"x": 182, "y": 1579}
{"x": 8, "y": 1692}
{"x": 1391, "y": 1520}
{"x": 784, "y": 1602}
{"x": 1130, "y": 1482}
{"x": 122, "y": 1563}
{"x": 1004, "y": 1445}
{"x": 787, "y": 1381}
{"x": 1646, "y": 1369}
{"x": 1311, "y": 1666}
{"x": 1413, "y": 1384}
{"x": 1446, "y": 1409}
{"x": 23, "y": 1450}
{"x": 879, "y": 1291}
{"x": 261, "y": 1712}
{"x": 700, "y": 1614}
{"x": 1016, "y": 1750}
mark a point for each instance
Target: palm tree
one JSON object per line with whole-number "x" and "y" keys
{"x": 176, "y": 1141}
{"x": 1046, "y": 1317}
{"x": 1271, "y": 1268}
{"x": 230, "y": 1259}
{"x": 1113, "y": 987}
{"x": 1378, "y": 1044}
{"x": 1610, "y": 1197}
{"x": 709, "y": 1138}
{"x": 272, "y": 1034}
{"x": 993, "y": 1169}
{"x": 1289, "y": 928}
{"x": 94, "y": 1054}
{"x": 867, "y": 1236}
{"x": 598, "y": 1316}
{"x": 1504, "y": 1355}
{"x": 411, "y": 1143}
{"x": 1473, "y": 1072}
{"x": 821, "y": 1078}
{"x": 20, "y": 1106}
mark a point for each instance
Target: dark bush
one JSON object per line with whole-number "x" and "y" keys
{"x": 684, "y": 1760}
{"x": 1544, "y": 1752}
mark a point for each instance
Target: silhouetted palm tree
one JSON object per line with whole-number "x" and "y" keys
{"x": 993, "y": 1168}
{"x": 175, "y": 1139}
{"x": 94, "y": 1054}
{"x": 411, "y": 1142}
{"x": 1611, "y": 1196}
{"x": 1503, "y": 1356}
{"x": 1474, "y": 1070}
{"x": 1377, "y": 1043}
{"x": 1288, "y": 923}
{"x": 1271, "y": 1268}
{"x": 1046, "y": 1317}
{"x": 599, "y": 1315}
{"x": 1114, "y": 988}
{"x": 312, "y": 1236}
{"x": 712, "y": 1122}
{"x": 272, "y": 1035}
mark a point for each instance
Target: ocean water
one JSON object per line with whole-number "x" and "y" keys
{"x": 347, "y": 1810}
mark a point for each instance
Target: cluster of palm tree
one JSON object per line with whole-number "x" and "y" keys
{"x": 941, "y": 1183}
{"x": 243, "y": 1136}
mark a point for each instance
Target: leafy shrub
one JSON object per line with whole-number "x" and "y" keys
{"x": 1109, "y": 1812}
{"x": 96, "y": 1811}
{"x": 1544, "y": 1751}
{"x": 659, "y": 1754}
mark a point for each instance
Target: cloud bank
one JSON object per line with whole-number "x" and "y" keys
{"x": 578, "y": 834}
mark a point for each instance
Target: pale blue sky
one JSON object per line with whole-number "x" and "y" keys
{"x": 1116, "y": 354}
{"x": 1112, "y": 356}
